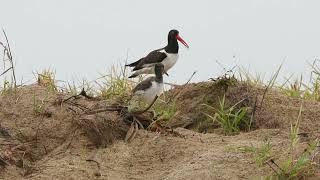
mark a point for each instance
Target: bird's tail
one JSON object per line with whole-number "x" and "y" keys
{"x": 134, "y": 63}
{"x": 133, "y": 75}
{"x": 148, "y": 70}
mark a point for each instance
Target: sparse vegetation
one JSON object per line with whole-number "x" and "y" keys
{"x": 38, "y": 105}
{"x": 7, "y": 87}
{"x": 47, "y": 79}
{"x": 260, "y": 154}
{"x": 247, "y": 77}
{"x": 31, "y": 136}
{"x": 297, "y": 166}
{"x": 116, "y": 85}
{"x": 163, "y": 110}
{"x": 230, "y": 119}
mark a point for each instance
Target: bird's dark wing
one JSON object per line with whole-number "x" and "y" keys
{"x": 137, "y": 62}
{"x": 152, "y": 58}
{"x": 134, "y": 63}
{"x": 145, "y": 84}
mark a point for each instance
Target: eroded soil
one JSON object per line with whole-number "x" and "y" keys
{"x": 42, "y": 138}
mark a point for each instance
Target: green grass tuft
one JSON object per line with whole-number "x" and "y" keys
{"x": 260, "y": 154}
{"x": 116, "y": 85}
{"x": 47, "y": 79}
{"x": 230, "y": 119}
{"x": 165, "y": 110}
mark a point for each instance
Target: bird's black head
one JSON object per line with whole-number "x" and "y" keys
{"x": 159, "y": 70}
{"x": 173, "y": 46}
{"x": 173, "y": 34}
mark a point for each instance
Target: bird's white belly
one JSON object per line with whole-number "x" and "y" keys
{"x": 170, "y": 61}
{"x": 155, "y": 90}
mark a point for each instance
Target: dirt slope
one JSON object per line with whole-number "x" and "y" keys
{"x": 53, "y": 142}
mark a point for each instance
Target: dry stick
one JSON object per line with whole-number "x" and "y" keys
{"x": 271, "y": 83}
{"x": 89, "y": 112}
{"x": 82, "y": 93}
{"x": 80, "y": 106}
{"x": 272, "y": 168}
{"x": 253, "y": 111}
{"x": 178, "y": 94}
{"x": 272, "y": 161}
{"x": 5, "y": 71}
{"x": 190, "y": 78}
{"x": 119, "y": 107}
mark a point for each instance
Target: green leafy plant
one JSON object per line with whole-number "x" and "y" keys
{"x": 230, "y": 119}
{"x": 165, "y": 110}
{"x": 302, "y": 167}
{"x": 297, "y": 166}
{"x": 260, "y": 154}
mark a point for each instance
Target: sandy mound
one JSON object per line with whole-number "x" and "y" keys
{"x": 42, "y": 138}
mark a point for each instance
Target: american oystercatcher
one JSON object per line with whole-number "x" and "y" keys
{"x": 148, "y": 90}
{"x": 168, "y": 56}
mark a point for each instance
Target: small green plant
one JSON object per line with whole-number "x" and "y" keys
{"x": 297, "y": 166}
{"x": 294, "y": 130}
{"x": 230, "y": 119}
{"x": 260, "y": 154}
{"x": 7, "y": 87}
{"x": 300, "y": 168}
{"x": 165, "y": 110}
{"x": 116, "y": 85}
{"x": 47, "y": 79}
{"x": 38, "y": 107}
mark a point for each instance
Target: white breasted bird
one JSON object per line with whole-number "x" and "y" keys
{"x": 146, "y": 92}
{"x": 167, "y": 56}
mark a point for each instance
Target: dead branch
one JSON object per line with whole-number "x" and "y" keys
{"x": 184, "y": 87}
{"x": 90, "y": 112}
{"x": 82, "y": 93}
{"x": 6, "y": 71}
{"x": 190, "y": 78}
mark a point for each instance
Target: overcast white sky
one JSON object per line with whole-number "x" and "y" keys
{"x": 82, "y": 38}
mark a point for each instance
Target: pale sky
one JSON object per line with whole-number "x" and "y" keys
{"x": 82, "y": 38}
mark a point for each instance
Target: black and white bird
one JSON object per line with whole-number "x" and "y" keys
{"x": 148, "y": 90}
{"x": 168, "y": 56}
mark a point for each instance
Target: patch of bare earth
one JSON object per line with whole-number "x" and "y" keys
{"x": 57, "y": 143}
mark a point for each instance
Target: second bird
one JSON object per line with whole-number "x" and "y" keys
{"x": 167, "y": 56}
